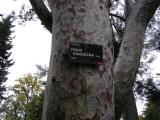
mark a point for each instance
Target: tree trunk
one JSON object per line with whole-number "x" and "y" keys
{"x": 127, "y": 63}
{"x": 130, "y": 111}
{"x": 79, "y": 91}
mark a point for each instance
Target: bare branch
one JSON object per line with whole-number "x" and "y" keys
{"x": 43, "y": 13}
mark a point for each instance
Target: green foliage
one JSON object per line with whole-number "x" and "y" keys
{"x": 25, "y": 102}
{"x": 26, "y": 14}
{"x": 152, "y": 93}
{"x": 5, "y": 47}
{"x": 140, "y": 117}
{"x": 153, "y": 97}
{"x": 152, "y": 112}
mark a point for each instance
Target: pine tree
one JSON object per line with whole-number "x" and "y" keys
{"x": 5, "y": 47}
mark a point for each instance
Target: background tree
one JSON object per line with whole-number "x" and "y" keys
{"x": 25, "y": 101}
{"x": 6, "y": 25}
{"x": 153, "y": 101}
{"x": 150, "y": 90}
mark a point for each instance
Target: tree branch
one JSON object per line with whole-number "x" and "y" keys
{"x": 114, "y": 15}
{"x": 126, "y": 66}
{"x": 43, "y": 13}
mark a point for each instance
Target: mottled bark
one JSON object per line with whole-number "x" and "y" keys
{"x": 130, "y": 111}
{"x": 43, "y": 13}
{"x": 128, "y": 7}
{"x": 127, "y": 63}
{"x": 79, "y": 91}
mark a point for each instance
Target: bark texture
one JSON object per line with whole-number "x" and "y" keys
{"x": 127, "y": 63}
{"x": 130, "y": 111}
{"x": 79, "y": 91}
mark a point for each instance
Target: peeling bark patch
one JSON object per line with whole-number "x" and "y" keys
{"x": 82, "y": 10}
{"x": 102, "y": 69}
{"x": 73, "y": 83}
{"x": 80, "y": 7}
{"x": 60, "y": 3}
{"x": 95, "y": 117}
{"x": 97, "y": 18}
{"x": 65, "y": 33}
{"x": 109, "y": 44}
{"x": 66, "y": 41}
{"x": 104, "y": 60}
{"x": 106, "y": 96}
{"x": 71, "y": 18}
{"x": 102, "y": 114}
{"x": 81, "y": 34}
{"x": 53, "y": 79}
{"x": 101, "y": 1}
{"x": 101, "y": 7}
{"x": 72, "y": 10}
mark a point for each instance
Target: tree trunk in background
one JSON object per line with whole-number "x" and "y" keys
{"x": 79, "y": 91}
{"x": 130, "y": 111}
{"x": 127, "y": 63}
